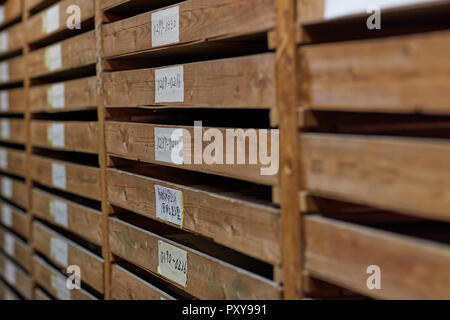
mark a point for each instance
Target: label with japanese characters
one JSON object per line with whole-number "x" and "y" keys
{"x": 169, "y": 205}
{"x": 172, "y": 263}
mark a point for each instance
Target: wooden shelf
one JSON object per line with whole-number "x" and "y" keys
{"x": 12, "y": 12}
{"x": 127, "y": 286}
{"x": 206, "y": 277}
{"x": 344, "y": 77}
{"x": 14, "y": 36}
{"x": 78, "y": 179}
{"x": 14, "y": 219}
{"x": 13, "y": 130}
{"x": 137, "y": 142}
{"x": 193, "y": 21}
{"x": 347, "y": 250}
{"x": 405, "y": 175}
{"x": 15, "y": 101}
{"x": 76, "y": 136}
{"x": 70, "y": 54}
{"x": 64, "y": 252}
{"x": 14, "y": 190}
{"x": 53, "y": 20}
{"x": 69, "y": 215}
{"x": 12, "y": 70}
{"x": 244, "y": 82}
{"x": 6, "y": 293}
{"x": 73, "y": 95}
{"x": 15, "y": 162}
{"x": 16, "y": 248}
{"x": 15, "y": 276}
{"x": 255, "y": 228}
{"x": 54, "y": 282}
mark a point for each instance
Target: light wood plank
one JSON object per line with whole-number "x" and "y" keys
{"x": 75, "y": 52}
{"x": 241, "y": 225}
{"x": 15, "y": 276}
{"x": 137, "y": 142}
{"x": 79, "y": 136}
{"x": 81, "y": 220}
{"x": 15, "y": 162}
{"x": 17, "y": 193}
{"x": 244, "y": 82}
{"x": 405, "y": 175}
{"x": 91, "y": 265}
{"x": 127, "y": 286}
{"x": 207, "y": 277}
{"x": 20, "y": 251}
{"x": 80, "y": 179}
{"x": 404, "y": 74}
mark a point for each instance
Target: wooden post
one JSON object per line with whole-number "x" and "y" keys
{"x": 286, "y": 79}
{"x": 102, "y": 149}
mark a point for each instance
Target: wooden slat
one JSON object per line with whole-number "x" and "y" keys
{"x": 18, "y": 192}
{"x": 44, "y": 273}
{"x": 13, "y": 218}
{"x": 79, "y": 136}
{"x": 90, "y": 264}
{"x": 34, "y": 4}
{"x": 21, "y": 280}
{"x": 80, "y": 179}
{"x": 405, "y": 175}
{"x": 199, "y": 20}
{"x": 21, "y": 251}
{"x": 405, "y": 74}
{"x": 207, "y": 277}
{"x": 81, "y": 220}
{"x": 15, "y": 36}
{"x": 235, "y": 223}
{"x": 79, "y": 94}
{"x": 137, "y": 142}
{"x": 6, "y": 293}
{"x": 410, "y": 268}
{"x": 16, "y": 70}
{"x": 16, "y": 162}
{"x": 127, "y": 286}
{"x": 12, "y": 11}
{"x": 41, "y": 295}
{"x": 36, "y": 27}
{"x": 76, "y": 52}
{"x": 324, "y": 10}
{"x": 13, "y": 130}
{"x": 16, "y": 101}
{"x": 244, "y": 82}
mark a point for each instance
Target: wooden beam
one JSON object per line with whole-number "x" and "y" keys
{"x": 286, "y": 76}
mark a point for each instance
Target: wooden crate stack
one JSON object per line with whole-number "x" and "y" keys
{"x": 15, "y": 256}
{"x": 224, "y": 230}
{"x": 64, "y": 161}
{"x": 89, "y": 120}
{"x": 373, "y": 146}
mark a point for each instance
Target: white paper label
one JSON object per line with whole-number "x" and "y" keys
{"x": 55, "y": 135}
{"x": 59, "y": 251}
{"x": 166, "y": 26}
{"x": 342, "y": 8}
{"x": 169, "y": 84}
{"x": 56, "y": 96}
{"x": 7, "y": 218}
{"x": 10, "y": 272}
{"x": 4, "y": 41}
{"x": 172, "y": 263}
{"x": 53, "y": 57}
{"x": 58, "y": 283}
{"x": 9, "y": 244}
{"x": 2, "y": 14}
{"x": 58, "y": 210}
{"x": 59, "y": 175}
{"x": 169, "y": 205}
{"x": 168, "y": 145}
{"x": 50, "y": 20}
{"x": 5, "y": 129}
{"x": 4, "y": 101}
{"x": 3, "y": 158}
{"x": 7, "y": 187}
{"x": 4, "y": 72}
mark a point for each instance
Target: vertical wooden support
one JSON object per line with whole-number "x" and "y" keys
{"x": 102, "y": 150}
{"x": 28, "y": 148}
{"x": 286, "y": 79}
